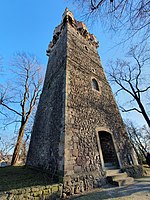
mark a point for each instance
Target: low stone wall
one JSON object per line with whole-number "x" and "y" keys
{"x": 49, "y": 192}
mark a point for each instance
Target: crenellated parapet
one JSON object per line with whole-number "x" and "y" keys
{"x": 80, "y": 27}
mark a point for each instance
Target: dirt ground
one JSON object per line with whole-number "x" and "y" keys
{"x": 139, "y": 190}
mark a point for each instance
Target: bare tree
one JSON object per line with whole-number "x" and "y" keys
{"x": 6, "y": 146}
{"x": 130, "y": 78}
{"x": 133, "y": 15}
{"x": 21, "y": 97}
{"x": 140, "y": 139}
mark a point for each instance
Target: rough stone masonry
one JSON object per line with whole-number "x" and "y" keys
{"x": 78, "y": 131}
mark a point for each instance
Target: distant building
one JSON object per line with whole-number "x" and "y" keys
{"x": 5, "y": 160}
{"x": 3, "y": 163}
{"x": 78, "y": 131}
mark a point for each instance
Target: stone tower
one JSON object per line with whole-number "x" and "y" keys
{"x": 78, "y": 131}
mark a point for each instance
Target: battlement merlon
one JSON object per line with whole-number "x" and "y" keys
{"x": 80, "y": 27}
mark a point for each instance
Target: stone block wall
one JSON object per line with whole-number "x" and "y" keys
{"x": 76, "y": 184}
{"x": 46, "y": 149}
{"x": 88, "y": 110}
{"x": 49, "y": 192}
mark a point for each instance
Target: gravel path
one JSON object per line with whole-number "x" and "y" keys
{"x": 140, "y": 190}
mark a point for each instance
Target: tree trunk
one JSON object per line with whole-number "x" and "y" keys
{"x": 143, "y": 111}
{"x": 24, "y": 150}
{"x": 16, "y": 153}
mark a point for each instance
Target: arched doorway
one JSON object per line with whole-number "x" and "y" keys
{"x": 108, "y": 150}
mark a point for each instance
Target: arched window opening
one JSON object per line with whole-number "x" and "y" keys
{"x": 86, "y": 48}
{"x": 95, "y": 85}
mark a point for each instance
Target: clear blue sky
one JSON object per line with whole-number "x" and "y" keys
{"x": 27, "y": 25}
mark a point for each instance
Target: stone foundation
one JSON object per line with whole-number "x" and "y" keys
{"x": 81, "y": 183}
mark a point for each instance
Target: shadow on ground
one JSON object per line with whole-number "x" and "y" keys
{"x": 139, "y": 188}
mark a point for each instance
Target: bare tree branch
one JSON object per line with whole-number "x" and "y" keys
{"x": 129, "y": 78}
{"x": 139, "y": 139}
{"x": 24, "y": 95}
{"x": 132, "y": 16}
{"x": 11, "y": 109}
{"x": 3, "y": 113}
{"x": 144, "y": 89}
{"x": 128, "y": 110}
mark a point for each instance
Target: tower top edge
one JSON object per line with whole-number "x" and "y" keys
{"x": 79, "y": 26}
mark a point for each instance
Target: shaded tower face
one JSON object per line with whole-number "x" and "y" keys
{"x": 78, "y": 130}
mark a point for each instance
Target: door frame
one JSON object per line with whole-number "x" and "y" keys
{"x": 103, "y": 129}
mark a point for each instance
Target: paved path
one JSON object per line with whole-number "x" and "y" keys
{"x": 140, "y": 190}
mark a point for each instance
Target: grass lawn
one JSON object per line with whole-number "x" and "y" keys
{"x": 21, "y": 176}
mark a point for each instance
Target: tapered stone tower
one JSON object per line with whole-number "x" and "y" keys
{"x": 78, "y": 131}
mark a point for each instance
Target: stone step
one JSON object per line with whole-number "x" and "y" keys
{"x": 122, "y": 182}
{"x": 119, "y": 176}
{"x": 112, "y": 172}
